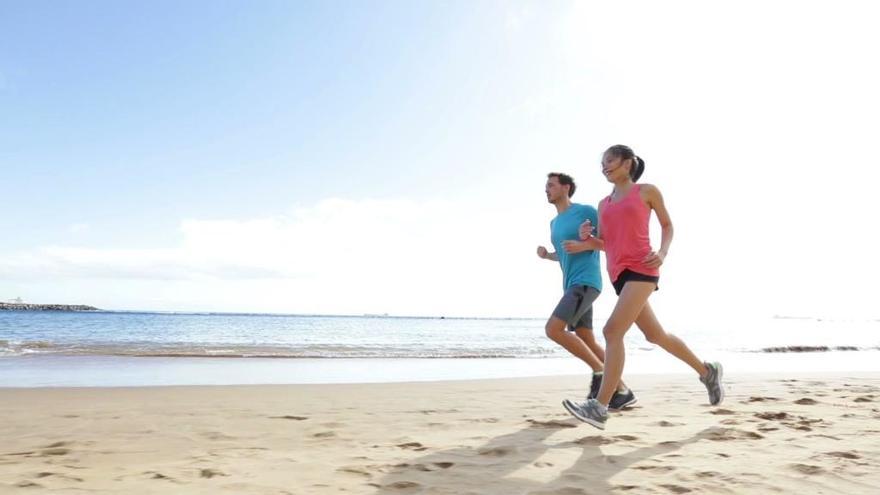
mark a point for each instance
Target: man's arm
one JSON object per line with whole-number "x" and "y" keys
{"x": 544, "y": 254}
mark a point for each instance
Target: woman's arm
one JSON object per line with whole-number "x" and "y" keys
{"x": 595, "y": 242}
{"x": 651, "y": 195}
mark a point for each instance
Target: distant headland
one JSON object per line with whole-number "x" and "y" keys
{"x": 4, "y": 306}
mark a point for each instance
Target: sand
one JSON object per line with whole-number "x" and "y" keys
{"x": 815, "y": 433}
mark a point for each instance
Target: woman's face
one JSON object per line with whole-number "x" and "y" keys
{"x": 614, "y": 167}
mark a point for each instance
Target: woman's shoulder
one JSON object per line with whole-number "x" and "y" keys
{"x": 648, "y": 189}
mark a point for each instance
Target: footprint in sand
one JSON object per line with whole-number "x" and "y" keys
{"x": 402, "y": 485}
{"x": 773, "y": 416}
{"x": 324, "y": 434}
{"x": 294, "y": 418}
{"x": 215, "y": 435}
{"x": 566, "y": 490}
{"x": 53, "y": 452}
{"x": 594, "y": 440}
{"x": 355, "y": 470}
{"x": 553, "y": 424}
{"x": 807, "y": 469}
{"x": 760, "y": 399}
{"x": 47, "y": 474}
{"x": 864, "y": 398}
{"x": 210, "y": 473}
{"x": 497, "y": 451}
{"x": 658, "y": 469}
{"x": 806, "y": 401}
{"x": 677, "y": 488}
{"x": 28, "y": 484}
{"x": 427, "y": 468}
{"x": 627, "y": 438}
{"x": 728, "y": 434}
{"x": 412, "y": 446}
{"x": 721, "y": 412}
{"x": 843, "y": 455}
{"x": 153, "y": 475}
{"x": 830, "y": 437}
{"x": 667, "y": 424}
{"x": 483, "y": 420}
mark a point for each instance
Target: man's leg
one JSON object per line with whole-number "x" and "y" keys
{"x": 556, "y": 331}
{"x": 575, "y": 303}
{"x": 586, "y": 334}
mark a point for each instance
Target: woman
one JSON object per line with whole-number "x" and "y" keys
{"x": 633, "y": 268}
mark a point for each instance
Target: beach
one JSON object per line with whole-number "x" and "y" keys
{"x": 799, "y": 433}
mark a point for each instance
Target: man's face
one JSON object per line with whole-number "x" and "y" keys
{"x": 554, "y": 190}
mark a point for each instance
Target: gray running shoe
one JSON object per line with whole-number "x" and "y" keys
{"x": 595, "y": 384}
{"x": 713, "y": 384}
{"x": 589, "y": 412}
{"x": 621, "y": 400}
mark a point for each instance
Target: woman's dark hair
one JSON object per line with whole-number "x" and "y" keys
{"x": 565, "y": 180}
{"x": 625, "y": 152}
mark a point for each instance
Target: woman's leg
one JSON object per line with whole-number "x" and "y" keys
{"x": 655, "y": 334}
{"x": 632, "y": 299}
{"x": 586, "y": 334}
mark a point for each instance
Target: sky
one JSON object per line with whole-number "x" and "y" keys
{"x": 390, "y": 157}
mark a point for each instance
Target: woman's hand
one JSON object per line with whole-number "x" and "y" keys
{"x": 654, "y": 260}
{"x": 586, "y": 230}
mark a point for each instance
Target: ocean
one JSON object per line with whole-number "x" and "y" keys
{"x": 143, "y": 348}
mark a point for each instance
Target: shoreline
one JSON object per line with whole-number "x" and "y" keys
{"x": 72, "y": 308}
{"x": 47, "y": 370}
{"x": 802, "y": 432}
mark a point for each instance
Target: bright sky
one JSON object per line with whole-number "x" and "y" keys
{"x": 372, "y": 157}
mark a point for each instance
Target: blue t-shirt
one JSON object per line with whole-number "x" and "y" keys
{"x": 579, "y": 268}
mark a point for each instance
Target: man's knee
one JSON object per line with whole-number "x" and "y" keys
{"x": 554, "y": 329}
{"x": 586, "y": 334}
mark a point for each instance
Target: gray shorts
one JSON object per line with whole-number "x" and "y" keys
{"x": 576, "y": 307}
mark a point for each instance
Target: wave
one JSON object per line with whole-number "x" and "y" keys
{"x": 818, "y": 348}
{"x": 237, "y": 351}
{"x": 331, "y": 351}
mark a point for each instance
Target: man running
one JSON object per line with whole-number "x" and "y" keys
{"x": 571, "y": 324}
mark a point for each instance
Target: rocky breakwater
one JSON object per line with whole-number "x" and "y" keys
{"x": 45, "y": 307}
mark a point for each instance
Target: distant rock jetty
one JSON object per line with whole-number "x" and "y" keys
{"x": 45, "y": 307}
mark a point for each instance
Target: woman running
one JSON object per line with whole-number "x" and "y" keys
{"x": 633, "y": 268}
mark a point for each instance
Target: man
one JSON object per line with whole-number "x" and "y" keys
{"x": 571, "y": 324}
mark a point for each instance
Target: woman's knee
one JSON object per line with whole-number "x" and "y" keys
{"x": 613, "y": 333}
{"x": 655, "y": 338}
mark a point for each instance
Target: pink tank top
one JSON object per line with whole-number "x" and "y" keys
{"x": 624, "y": 226}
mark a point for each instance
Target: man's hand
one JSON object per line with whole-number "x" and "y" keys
{"x": 542, "y": 252}
{"x": 573, "y": 247}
